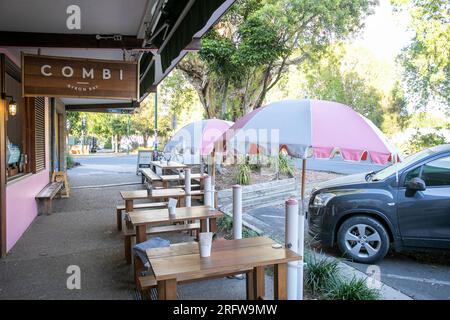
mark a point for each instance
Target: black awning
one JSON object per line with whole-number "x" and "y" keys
{"x": 201, "y": 15}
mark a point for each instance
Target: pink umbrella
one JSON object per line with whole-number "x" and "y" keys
{"x": 310, "y": 127}
{"x": 197, "y": 138}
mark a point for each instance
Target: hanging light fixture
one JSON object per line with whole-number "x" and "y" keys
{"x": 12, "y": 108}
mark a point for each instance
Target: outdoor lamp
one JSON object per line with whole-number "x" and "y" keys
{"x": 12, "y": 108}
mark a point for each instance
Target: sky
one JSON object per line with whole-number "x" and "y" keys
{"x": 385, "y": 32}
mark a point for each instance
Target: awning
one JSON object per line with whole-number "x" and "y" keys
{"x": 158, "y": 33}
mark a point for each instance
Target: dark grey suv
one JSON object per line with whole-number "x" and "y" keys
{"x": 406, "y": 204}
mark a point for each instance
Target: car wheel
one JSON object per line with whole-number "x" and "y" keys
{"x": 363, "y": 239}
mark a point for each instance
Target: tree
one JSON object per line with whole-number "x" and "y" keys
{"x": 426, "y": 60}
{"x": 420, "y": 141}
{"x": 252, "y": 47}
{"x": 328, "y": 80}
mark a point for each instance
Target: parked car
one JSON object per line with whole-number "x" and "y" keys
{"x": 405, "y": 205}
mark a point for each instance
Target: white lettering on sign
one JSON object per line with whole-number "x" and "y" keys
{"x": 74, "y": 19}
{"x": 88, "y": 74}
{"x": 67, "y": 71}
{"x": 106, "y": 74}
{"x": 45, "y": 73}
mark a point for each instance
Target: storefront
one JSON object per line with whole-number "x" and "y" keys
{"x": 25, "y": 169}
{"x": 151, "y": 36}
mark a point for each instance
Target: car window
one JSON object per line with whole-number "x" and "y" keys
{"x": 415, "y": 173}
{"x": 437, "y": 172}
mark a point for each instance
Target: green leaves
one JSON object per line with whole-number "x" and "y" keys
{"x": 426, "y": 60}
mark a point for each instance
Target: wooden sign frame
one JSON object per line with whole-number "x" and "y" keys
{"x": 80, "y": 78}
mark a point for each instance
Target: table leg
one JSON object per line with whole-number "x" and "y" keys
{"x": 249, "y": 285}
{"x": 212, "y": 225}
{"x": 141, "y": 233}
{"x": 258, "y": 282}
{"x": 280, "y": 281}
{"x": 128, "y": 205}
{"x": 167, "y": 289}
{"x": 203, "y": 225}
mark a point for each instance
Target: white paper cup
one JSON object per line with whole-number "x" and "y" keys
{"x": 204, "y": 244}
{"x": 172, "y": 212}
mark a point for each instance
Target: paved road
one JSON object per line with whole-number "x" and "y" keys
{"x": 103, "y": 169}
{"x": 418, "y": 275}
{"x": 338, "y": 165}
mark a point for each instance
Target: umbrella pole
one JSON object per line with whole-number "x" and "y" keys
{"x": 213, "y": 178}
{"x": 303, "y": 178}
{"x": 301, "y": 232}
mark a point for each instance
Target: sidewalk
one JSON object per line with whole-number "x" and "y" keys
{"x": 82, "y": 232}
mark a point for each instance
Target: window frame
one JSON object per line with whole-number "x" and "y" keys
{"x": 421, "y": 164}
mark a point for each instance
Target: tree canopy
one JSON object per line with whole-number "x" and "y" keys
{"x": 426, "y": 59}
{"x": 247, "y": 53}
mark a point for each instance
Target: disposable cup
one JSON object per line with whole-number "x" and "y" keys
{"x": 204, "y": 243}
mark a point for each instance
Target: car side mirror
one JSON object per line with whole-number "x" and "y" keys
{"x": 416, "y": 184}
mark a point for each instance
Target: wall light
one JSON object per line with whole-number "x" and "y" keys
{"x": 12, "y": 108}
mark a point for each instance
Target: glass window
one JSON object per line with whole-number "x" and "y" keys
{"x": 415, "y": 173}
{"x": 437, "y": 172}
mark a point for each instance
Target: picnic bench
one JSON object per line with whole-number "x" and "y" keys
{"x": 149, "y": 222}
{"x": 148, "y": 205}
{"x": 148, "y": 175}
{"x": 129, "y": 234}
{"x": 46, "y": 195}
{"x": 181, "y": 263}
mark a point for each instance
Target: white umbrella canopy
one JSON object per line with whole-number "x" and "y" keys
{"x": 306, "y": 128}
{"x": 309, "y": 128}
{"x": 196, "y": 140}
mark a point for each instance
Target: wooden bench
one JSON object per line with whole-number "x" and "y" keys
{"x": 147, "y": 205}
{"x": 46, "y": 195}
{"x": 149, "y": 175}
{"x": 130, "y": 233}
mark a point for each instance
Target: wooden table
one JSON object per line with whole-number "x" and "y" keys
{"x": 141, "y": 219}
{"x": 166, "y": 166}
{"x": 166, "y": 179}
{"x": 157, "y": 194}
{"x": 182, "y": 262}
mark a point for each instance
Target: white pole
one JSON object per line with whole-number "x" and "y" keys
{"x": 291, "y": 242}
{"x": 207, "y": 196}
{"x": 301, "y": 232}
{"x": 237, "y": 212}
{"x": 187, "y": 186}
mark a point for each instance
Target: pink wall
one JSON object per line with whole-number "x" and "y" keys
{"x": 21, "y": 207}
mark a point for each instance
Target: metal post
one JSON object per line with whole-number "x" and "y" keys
{"x": 291, "y": 242}
{"x": 207, "y": 196}
{"x": 301, "y": 231}
{"x": 237, "y": 212}
{"x": 155, "y": 143}
{"x": 187, "y": 186}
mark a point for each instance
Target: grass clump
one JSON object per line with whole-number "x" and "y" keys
{"x": 355, "y": 289}
{"x": 323, "y": 280}
{"x": 243, "y": 174}
{"x": 285, "y": 166}
{"x": 320, "y": 273}
{"x": 225, "y": 225}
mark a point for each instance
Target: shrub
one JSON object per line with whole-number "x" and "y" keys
{"x": 225, "y": 225}
{"x": 285, "y": 166}
{"x": 320, "y": 273}
{"x": 243, "y": 174}
{"x": 323, "y": 279}
{"x": 70, "y": 163}
{"x": 355, "y": 289}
